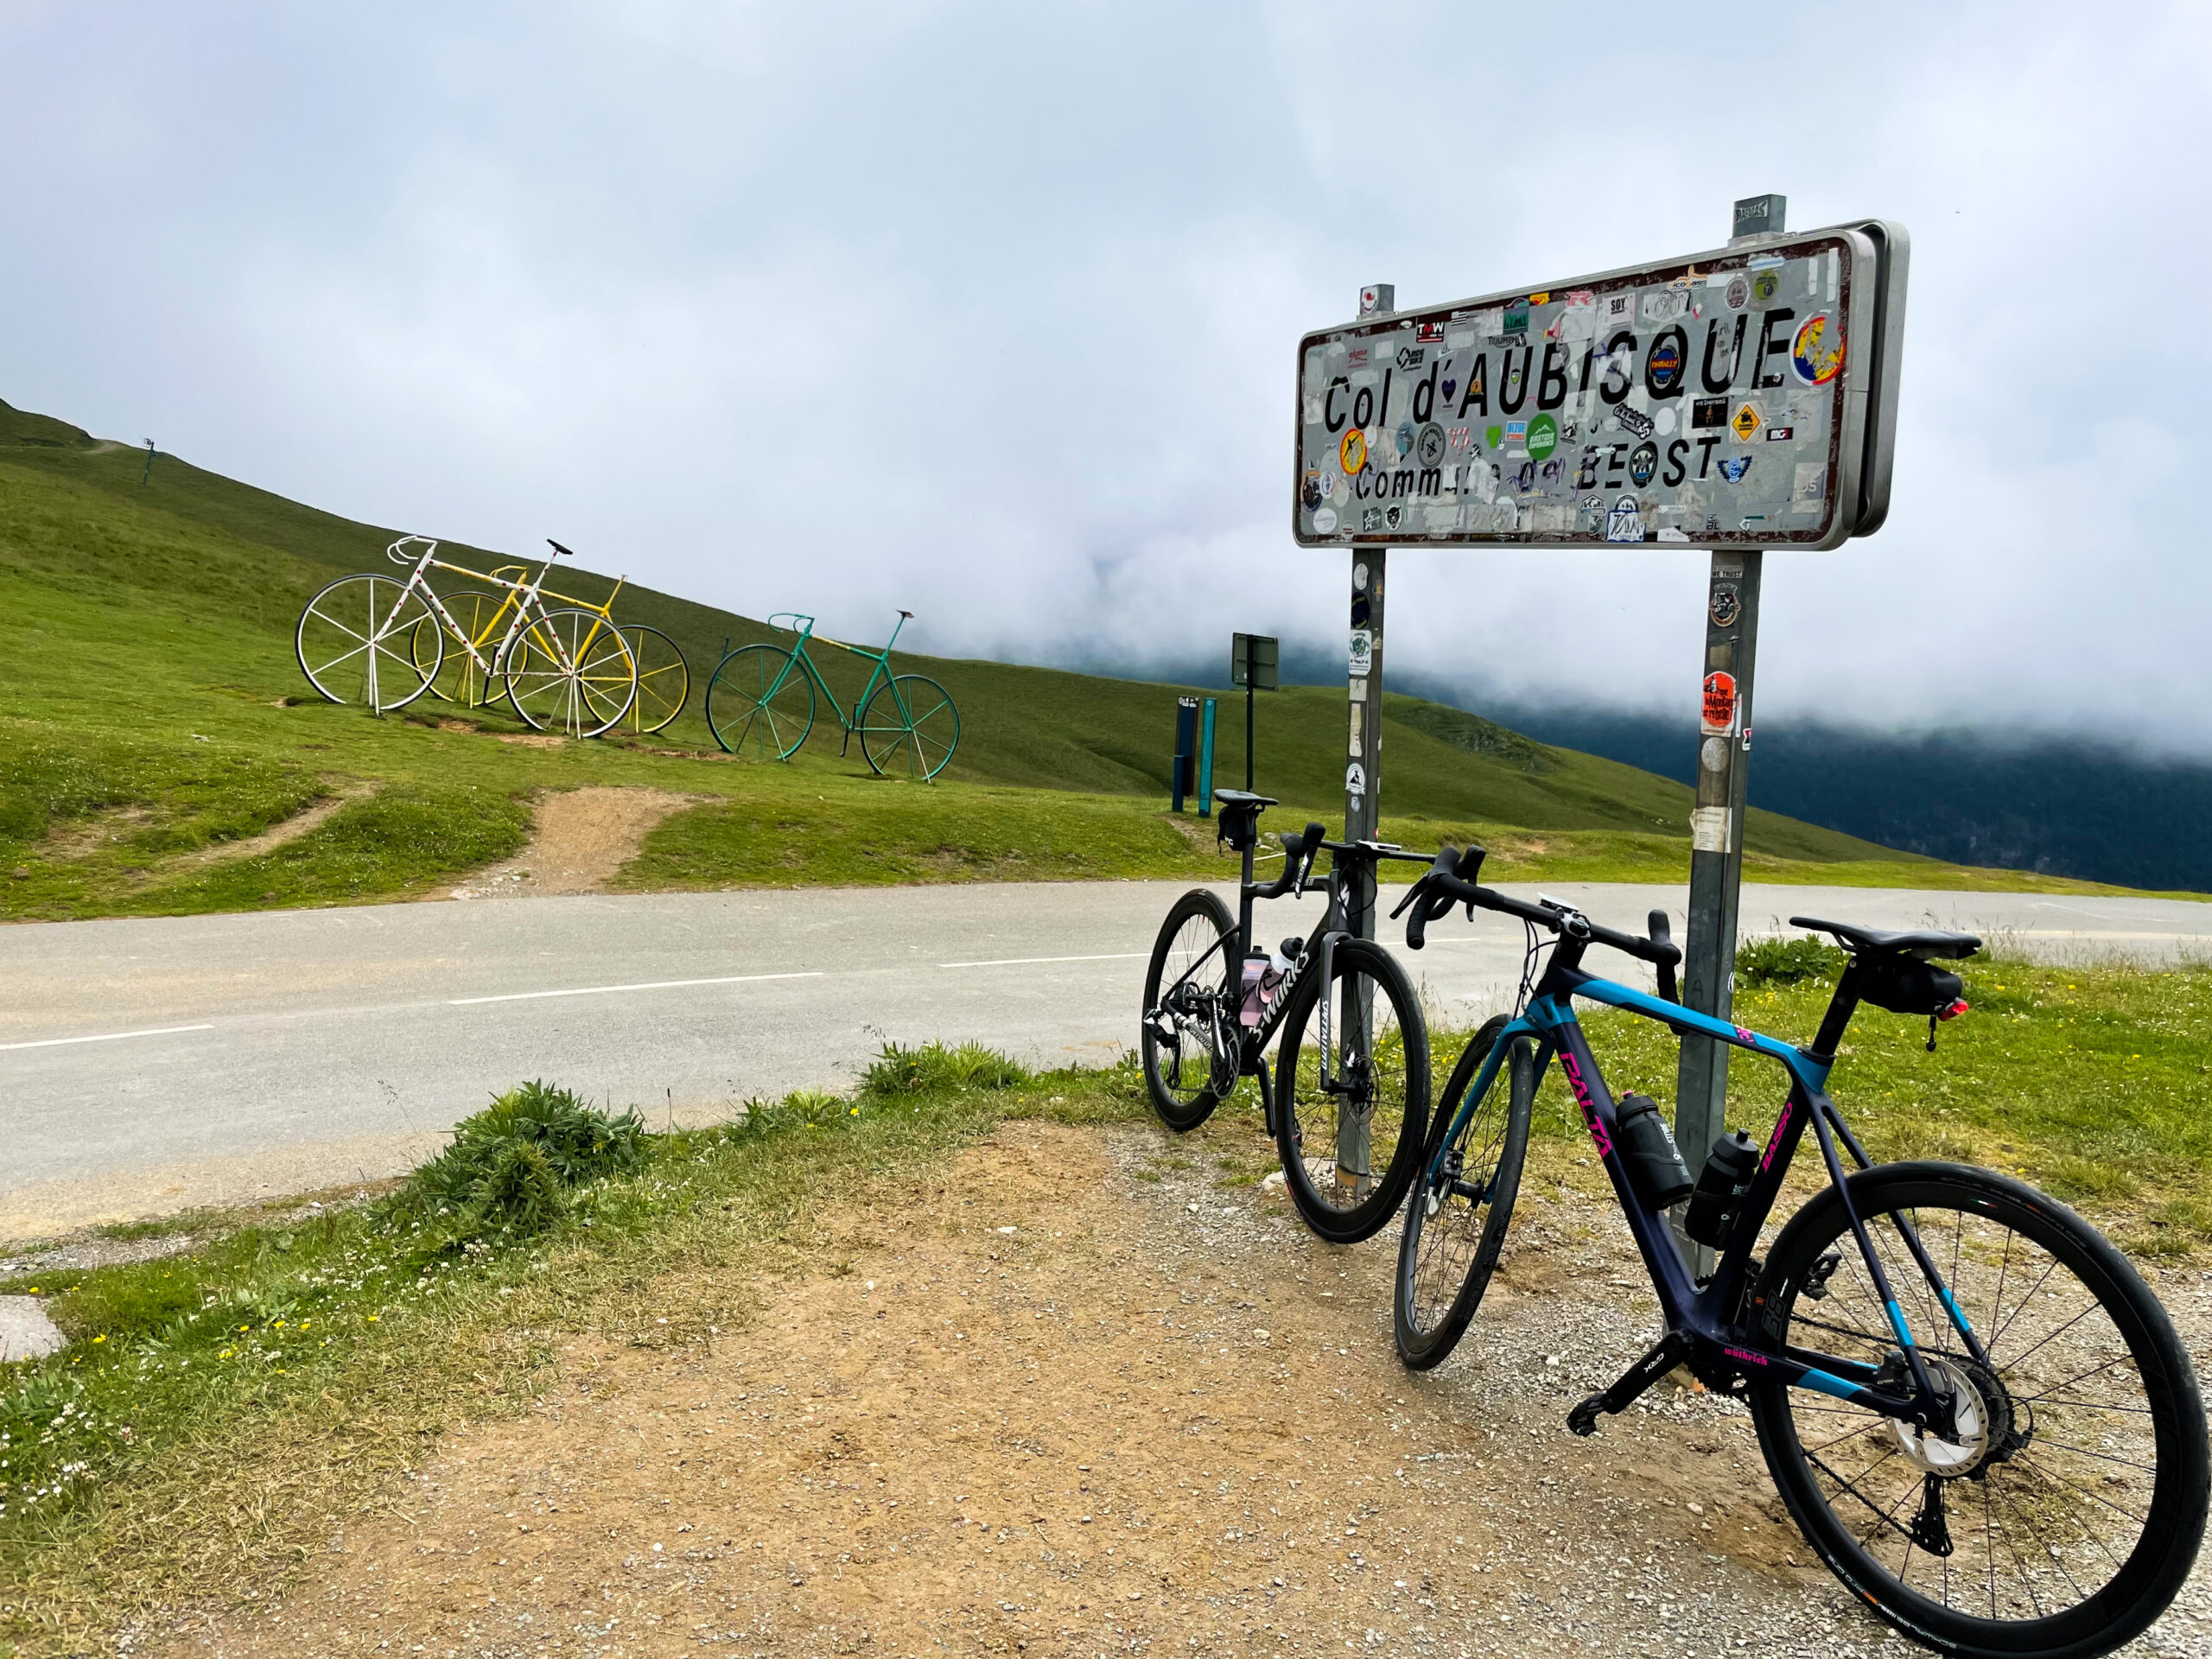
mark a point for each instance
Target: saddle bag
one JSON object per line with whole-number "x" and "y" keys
{"x": 1906, "y": 984}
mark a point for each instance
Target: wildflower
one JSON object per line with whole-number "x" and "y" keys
{"x": 102, "y": 1337}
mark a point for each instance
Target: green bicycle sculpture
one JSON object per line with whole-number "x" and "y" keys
{"x": 760, "y": 704}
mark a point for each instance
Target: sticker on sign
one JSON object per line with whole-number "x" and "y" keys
{"x": 1422, "y": 421}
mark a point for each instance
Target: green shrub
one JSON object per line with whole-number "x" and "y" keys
{"x": 515, "y": 1163}
{"x": 1786, "y": 961}
{"x": 932, "y": 1068}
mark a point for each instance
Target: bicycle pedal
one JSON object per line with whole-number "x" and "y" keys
{"x": 1583, "y": 1420}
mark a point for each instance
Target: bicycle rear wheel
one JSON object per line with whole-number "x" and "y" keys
{"x": 910, "y": 725}
{"x": 1348, "y": 1151}
{"x": 1462, "y": 1200}
{"x": 760, "y": 703}
{"x": 571, "y": 671}
{"x": 663, "y": 678}
{"x": 2064, "y": 1516}
{"x": 1189, "y": 1037}
{"x": 368, "y": 639}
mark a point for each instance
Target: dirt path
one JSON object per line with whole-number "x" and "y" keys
{"x": 1077, "y": 1399}
{"x": 582, "y": 838}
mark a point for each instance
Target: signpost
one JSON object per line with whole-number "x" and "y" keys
{"x": 1736, "y": 399}
{"x": 1255, "y": 663}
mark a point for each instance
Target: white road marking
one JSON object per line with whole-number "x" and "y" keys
{"x": 107, "y": 1037}
{"x": 1026, "y": 962}
{"x": 601, "y": 990}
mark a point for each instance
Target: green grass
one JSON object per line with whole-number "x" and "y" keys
{"x": 156, "y": 715}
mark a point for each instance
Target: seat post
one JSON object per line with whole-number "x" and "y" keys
{"x": 1841, "y": 1007}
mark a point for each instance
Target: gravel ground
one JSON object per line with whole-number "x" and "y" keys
{"x": 1094, "y": 1393}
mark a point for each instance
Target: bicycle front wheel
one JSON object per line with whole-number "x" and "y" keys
{"x": 663, "y": 678}
{"x": 910, "y": 725}
{"x": 1189, "y": 1037}
{"x": 2064, "y": 1514}
{"x": 760, "y": 703}
{"x": 1462, "y": 1201}
{"x": 1351, "y": 1092}
{"x": 368, "y": 639}
{"x": 571, "y": 673}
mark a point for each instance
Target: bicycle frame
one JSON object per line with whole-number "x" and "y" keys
{"x": 803, "y": 625}
{"x": 1350, "y": 861}
{"x": 521, "y": 597}
{"x": 1710, "y": 1323}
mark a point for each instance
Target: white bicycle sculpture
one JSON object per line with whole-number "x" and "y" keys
{"x": 380, "y": 642}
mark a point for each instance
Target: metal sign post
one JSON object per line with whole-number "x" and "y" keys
{"x": 1256, "y": 664}
{"x": 1362, "y": 787}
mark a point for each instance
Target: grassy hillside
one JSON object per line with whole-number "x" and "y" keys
{"x": 151, "y": 715}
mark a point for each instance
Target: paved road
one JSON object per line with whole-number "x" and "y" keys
{"x": 152, "y": 1064}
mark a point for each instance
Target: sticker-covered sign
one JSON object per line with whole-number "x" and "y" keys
{"x": 1637, "y": 395}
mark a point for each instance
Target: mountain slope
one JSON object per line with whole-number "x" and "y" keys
{"x": 151, "y": 715}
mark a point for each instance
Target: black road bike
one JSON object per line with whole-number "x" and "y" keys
{"x": 1975, "y": 1410}
{"x": 1347, "y": 1102}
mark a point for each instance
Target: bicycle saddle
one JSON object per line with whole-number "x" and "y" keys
{"x": 1924, "y": 942}
{"x": 1239, "y": 816}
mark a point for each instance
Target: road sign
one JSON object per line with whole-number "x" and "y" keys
{"x": 1254, "y": 659}
{"x": 1740, "y": 397}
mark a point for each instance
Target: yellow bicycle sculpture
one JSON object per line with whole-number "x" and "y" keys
{"x": 371, "y": 640}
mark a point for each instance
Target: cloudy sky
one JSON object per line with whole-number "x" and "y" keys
{"x": 991, "y": 311}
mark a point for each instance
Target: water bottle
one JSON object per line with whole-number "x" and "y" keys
{"x": 1256, "y": 991}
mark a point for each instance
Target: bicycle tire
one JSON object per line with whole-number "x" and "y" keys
{"x": 1199, "y": 1019}
{"x": 1959, "y": 1214}
{"x": 1448, "y": 1224}
{"x": 350, "y": 637}
{"x": 1343, "y": 1210}
{"x": 571, "y": 671}
{"x": 663, "y": 681}
{"x": 914, "y": 726}
{"x": 752, "y": 711}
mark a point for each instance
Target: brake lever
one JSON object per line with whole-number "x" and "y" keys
{"x": 1412, "y": 894}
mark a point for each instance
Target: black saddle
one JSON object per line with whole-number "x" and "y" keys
{"x": 1239, "y": 816}
{"x": 1922, "y": 943}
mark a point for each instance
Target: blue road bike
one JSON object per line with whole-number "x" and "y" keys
{"x": 1974, "y": 1409}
